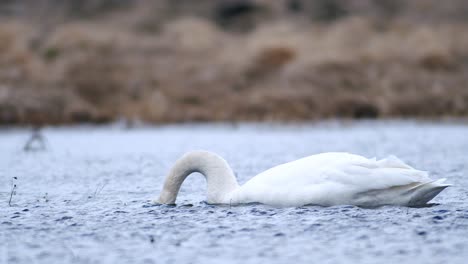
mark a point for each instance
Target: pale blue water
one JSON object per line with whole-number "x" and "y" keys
{"x": 86, "y": 198}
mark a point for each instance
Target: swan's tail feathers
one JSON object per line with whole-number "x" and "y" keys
{"x": 422, "y": 193}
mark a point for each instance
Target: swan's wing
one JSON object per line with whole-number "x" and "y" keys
{"x": 393, "y": 162}
{"x": 342, "y": 168}
{"x": 328, "y": 177}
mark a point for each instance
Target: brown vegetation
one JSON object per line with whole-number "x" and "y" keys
{"x": 128, "y": 64}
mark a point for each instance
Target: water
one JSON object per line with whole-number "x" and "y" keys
{"x": 86, "y": 198}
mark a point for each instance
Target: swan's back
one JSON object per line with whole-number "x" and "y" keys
{"x": 337, "y": 178}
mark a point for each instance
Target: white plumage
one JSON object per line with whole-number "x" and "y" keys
{"x": 324, "y": 179}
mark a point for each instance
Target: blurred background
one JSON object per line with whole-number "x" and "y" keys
{"x": 98, "y": 61}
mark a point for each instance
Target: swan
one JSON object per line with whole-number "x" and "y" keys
{"x": 325, "y": 179}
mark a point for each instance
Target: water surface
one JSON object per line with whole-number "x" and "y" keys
{"x": 85, "y": 199}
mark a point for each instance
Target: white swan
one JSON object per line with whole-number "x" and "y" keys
{"x": 323, "y": 179}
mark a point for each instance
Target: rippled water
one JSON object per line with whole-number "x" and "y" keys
{"x": 86, "y": 198}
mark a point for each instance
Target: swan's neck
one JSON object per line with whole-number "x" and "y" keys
{"x": 219, "y": 177}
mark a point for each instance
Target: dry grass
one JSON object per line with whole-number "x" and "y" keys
{"x": 191, "y": 70}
